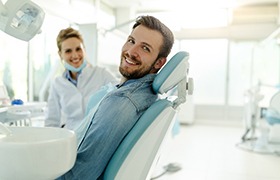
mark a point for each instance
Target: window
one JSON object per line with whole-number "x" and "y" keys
{"x": 208, "y": 60}
{"x": 44, "y": 59}
{"x": 14, "y": 65}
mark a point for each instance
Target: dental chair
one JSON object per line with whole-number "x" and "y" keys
{"x": 267, "y": 141}
{"x": 139, "y": 151}
{"x": 272, "y": 116}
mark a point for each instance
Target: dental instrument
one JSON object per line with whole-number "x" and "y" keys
{"x": 17, "y": 112}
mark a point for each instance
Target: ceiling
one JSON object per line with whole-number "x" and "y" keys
{"x": 250, "y": 19}
{"x": 168, "y": 5}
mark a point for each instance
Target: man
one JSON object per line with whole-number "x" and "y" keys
{"x": 143, "y": 54}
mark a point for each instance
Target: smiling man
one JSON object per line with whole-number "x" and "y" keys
{"x": 143, "y": 54}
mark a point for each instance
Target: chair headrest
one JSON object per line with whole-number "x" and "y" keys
{"x": 172, "y": 73}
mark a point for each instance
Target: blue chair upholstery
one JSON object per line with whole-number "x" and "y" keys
{"x": 137, "y": 154}
{"x": 272, "y": 114}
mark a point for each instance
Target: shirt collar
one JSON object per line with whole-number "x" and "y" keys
{"x": 146, "y": 78}
{"x": 69, "y": 78}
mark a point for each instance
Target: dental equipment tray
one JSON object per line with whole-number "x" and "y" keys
{"x": 19, "y": 112}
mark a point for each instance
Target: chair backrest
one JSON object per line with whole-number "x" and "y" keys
{"x": 136, "y": 155}
{"x": 272, "y": 114}
{"x": 275, "y": 102}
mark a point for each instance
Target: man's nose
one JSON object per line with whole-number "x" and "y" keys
{"x": 133, "y": 51}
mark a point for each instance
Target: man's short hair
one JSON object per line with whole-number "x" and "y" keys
{"x": 155, "y": 24}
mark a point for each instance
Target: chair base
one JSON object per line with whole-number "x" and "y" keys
{"x": 267, "y": 143}
{"x": 274, "y": 134}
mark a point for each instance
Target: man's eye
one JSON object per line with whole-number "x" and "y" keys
{"x": 146, "y": 48}
{"x": 130, "y": 41}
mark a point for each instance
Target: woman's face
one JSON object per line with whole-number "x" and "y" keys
{"x": 72, "y": 51}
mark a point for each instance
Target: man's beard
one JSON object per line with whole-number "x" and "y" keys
{"x": 138, "y": 73}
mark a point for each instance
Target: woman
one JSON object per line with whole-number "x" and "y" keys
{"x": 70, "y": 92}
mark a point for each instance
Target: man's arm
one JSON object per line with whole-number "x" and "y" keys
{"x": 111, "y": 122}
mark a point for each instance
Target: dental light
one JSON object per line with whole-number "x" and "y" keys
{"x": 21, "y": 19}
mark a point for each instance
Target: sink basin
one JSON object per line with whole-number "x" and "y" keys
{"x": 40, "y": 153}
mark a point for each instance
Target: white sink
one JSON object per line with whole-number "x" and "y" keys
{"x": 38, "y": 153}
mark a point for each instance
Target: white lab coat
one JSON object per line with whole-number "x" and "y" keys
{"x": 67, "y": 103}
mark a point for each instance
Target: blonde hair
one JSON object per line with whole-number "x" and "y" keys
{"x": 67, "y": 33}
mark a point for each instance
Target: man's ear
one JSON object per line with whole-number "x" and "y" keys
{"x": 160, "y": 62}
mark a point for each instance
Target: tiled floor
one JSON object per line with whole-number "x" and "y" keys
{"x": 209, "y": 152}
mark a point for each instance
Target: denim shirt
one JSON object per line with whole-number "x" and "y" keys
{"x": 115, "y": 116}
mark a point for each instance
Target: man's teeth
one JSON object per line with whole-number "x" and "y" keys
{"x": 130, "y": 62}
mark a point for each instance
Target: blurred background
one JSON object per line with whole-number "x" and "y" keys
{"x": 233, "y": 46}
